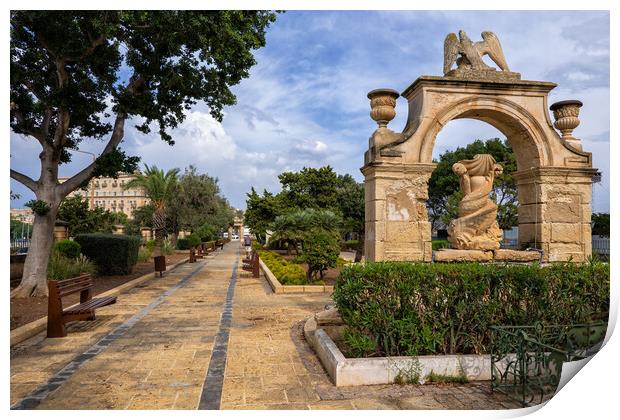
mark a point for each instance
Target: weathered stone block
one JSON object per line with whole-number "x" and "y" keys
{"x": 454, "y": 255}
{"x": 566, "y": 232}
{"x": 515, "y": 255}
{"x": 402, "y": 232}
{"x": 565, "y": 252}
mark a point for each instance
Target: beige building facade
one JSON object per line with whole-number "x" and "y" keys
{"x": 110, "y": 194}
{"x": 23, "y": 215}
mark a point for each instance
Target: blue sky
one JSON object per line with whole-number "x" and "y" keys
{"x": 305, "y": 101}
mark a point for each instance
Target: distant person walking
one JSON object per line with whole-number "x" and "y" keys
{"x": 247, "y": 242}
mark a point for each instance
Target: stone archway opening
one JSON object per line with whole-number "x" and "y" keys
{"x": 553, "y": 177}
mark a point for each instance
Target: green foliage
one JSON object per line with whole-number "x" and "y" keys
{"x": 410, "y": 373}
{"x": 286, "y": 272}
{"x": 113, "y": 254}
{"x": 166, "y": 247}
{"x": 111, "y": 164}
{"x": 74, "y": 210}
{"x": 198, "y": 202}
{"x": 443, "y": 185}
{"x": 67, "y": 248}
{"x": 321, "y": 249}
{"x": 207, "y": 232}
{"x": 19, "y": 229}
{"x": 144, "y": 254}
{"x": 601, "y": 224}
{"x": 61, "y": 267}
{"x": 191, "y": 241}
{"x": 39, "y": 207}
{"x": 416, "y": 308}
{"x": 297, "y": 226}
{"x": 352, "y": 244}
{"x": 358, "y": 344}
{"x": 158, "y": 186}
{"x": 440, "y": 243}
{"x": 443, "y": 379}
{"x": 150, "y": 245}
{"x": 311, "y": 188}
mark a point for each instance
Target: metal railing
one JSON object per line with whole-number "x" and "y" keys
{"x": 526, "y": 361}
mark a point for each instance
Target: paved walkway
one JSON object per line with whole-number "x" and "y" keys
{"x": 204, "y": 336}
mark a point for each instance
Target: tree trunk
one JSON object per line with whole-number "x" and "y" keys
{"x": 159, "y": 226}
{"x": 34, "y": 279}
{"x": 309, "y": 275}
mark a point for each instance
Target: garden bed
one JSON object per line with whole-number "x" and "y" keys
{"x": 25, "y": 310}
{"x": 279, "y": 288}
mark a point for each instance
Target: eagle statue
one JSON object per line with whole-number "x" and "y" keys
{"x": 471, "y": 53}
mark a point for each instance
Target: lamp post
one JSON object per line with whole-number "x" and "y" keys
{"x": 92, "y": 190}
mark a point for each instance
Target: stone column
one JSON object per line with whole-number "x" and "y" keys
{"x": 396, "y": 219}
{"x": 555, "y": 211}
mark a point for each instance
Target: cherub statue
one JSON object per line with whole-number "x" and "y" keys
{"x": 476, "y": 227}
{"x": 471, "y": 53}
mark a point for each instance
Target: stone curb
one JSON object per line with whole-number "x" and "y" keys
{"x": 278, "y": 288}
{"x": 31, "y": 329}
{"x": 383, "y": 370}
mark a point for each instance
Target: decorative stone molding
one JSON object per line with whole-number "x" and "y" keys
{"x": 383, "y": 104}
{"x": 566, "y": 115}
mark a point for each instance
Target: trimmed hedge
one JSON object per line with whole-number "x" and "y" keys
{"x": 286, "y": 272}
{"x": 113, "y": 254}
{"x": 190, "y": 241}
{"x": 415, "y": 308}
{"x": 67, "y": 248}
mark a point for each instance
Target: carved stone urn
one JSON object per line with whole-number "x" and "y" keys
{"x": 383, "y": 104}
{"x": 566, "y": 115}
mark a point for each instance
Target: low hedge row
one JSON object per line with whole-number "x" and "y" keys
{"x": 113, "y": 254}
{"x": 286, "y": 272}
{"x": 398, "y": 308}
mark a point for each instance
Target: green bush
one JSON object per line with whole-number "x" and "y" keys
{"x": 416, "y": 308}
{"x": 285, "y": 272}
{"x": 352, "y": 244}
{"x": 207, "y": 232}
{"x": 61, "y": 267}
{"x": 440, "y": 243}
{"x": 166, "y": 247}
{"x": 150, "y": 245}
{"x": 113, "y": 254}
{"x": 188, "y": 242}
{"x": 320, "y": 251}
{"x": 67, "y": 248}
{"x": 144, "y": 254}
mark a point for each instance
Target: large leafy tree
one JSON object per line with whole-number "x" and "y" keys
{"x": 160, "y": 188}
{"x": 444, "y": 191}
{"x": 79, "y": 75}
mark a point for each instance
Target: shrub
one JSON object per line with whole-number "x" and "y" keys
{"x": 352, "y": 244}
{"x": 416, "y": 308}
{"x": 166, "y": 247}
{"x": 67, "y": 248}
{"x": 285, "y": 272}
{"x": 188, "y": 242}
{"x": 144, "y": 254}
{"x": 150, "y": 245}
{"x": 320, "y": 251}
{"x": 113, "y": 254}
{"x": 207, "y": 232}
{"x": 440, "y": 243}
{"x": 61, "y": 267}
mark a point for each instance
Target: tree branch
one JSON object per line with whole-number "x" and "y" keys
{"x": 37, "y": 134}
{"x": 82, "y": 176}
{"x": 25, "y": 180}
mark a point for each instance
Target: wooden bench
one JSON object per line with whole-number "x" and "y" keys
{"x": 251, "y": 264}
{"x": 57, "y": 317}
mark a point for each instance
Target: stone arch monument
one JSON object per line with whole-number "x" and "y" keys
{"x": 554, "y": 174}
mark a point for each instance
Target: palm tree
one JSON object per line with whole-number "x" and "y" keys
{"x": 159, "y": 188}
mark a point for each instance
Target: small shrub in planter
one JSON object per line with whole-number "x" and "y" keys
{"x": 61, "y": 267}
{"x": 113, "y": 254}
{"x": 67, "y": 248}
{"x": 321, "y": 249}
{"x": 188, "y": 242}
{"x": 285, "y": 272}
